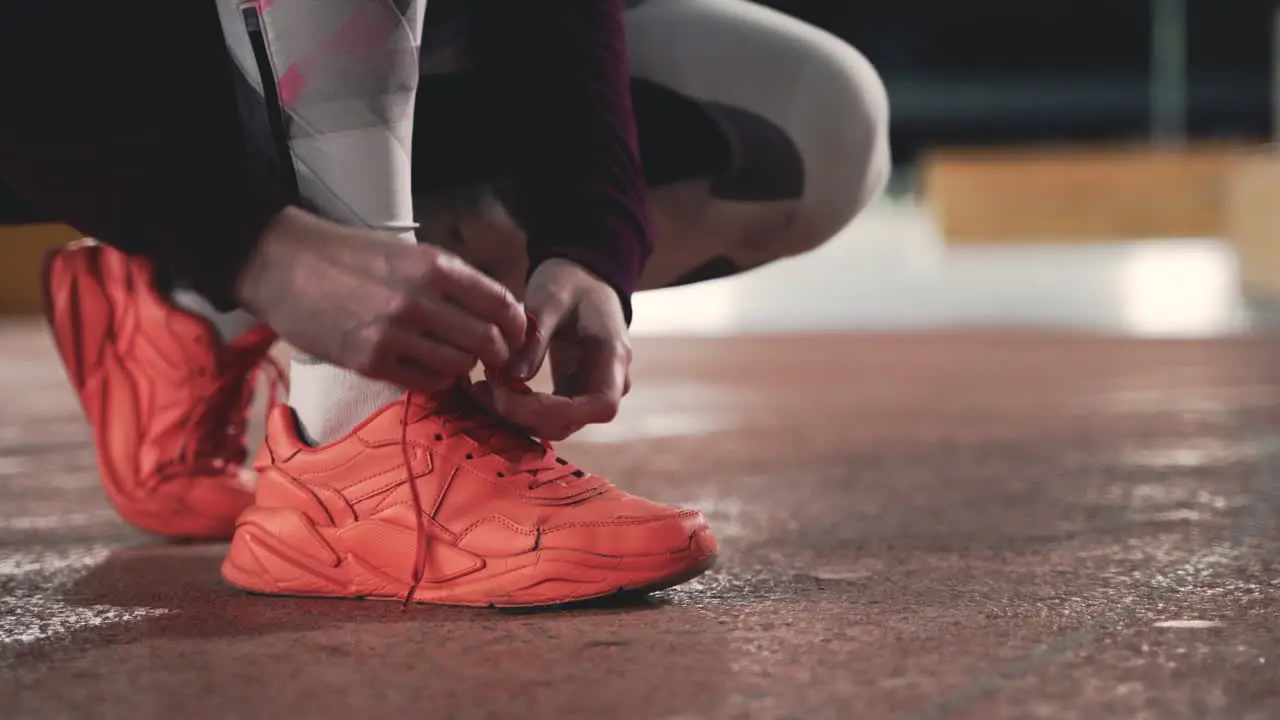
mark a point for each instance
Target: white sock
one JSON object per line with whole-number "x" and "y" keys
{"x": 228, "y": 324}
{"x": 329, "y": 401}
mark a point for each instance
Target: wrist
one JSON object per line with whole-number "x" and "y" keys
{"x": 260, "y": 275}
{"x": 569, "y": 270}
{"x": 564, "y": 267}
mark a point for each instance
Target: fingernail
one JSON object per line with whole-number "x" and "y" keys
{"x": 522, "y": 372}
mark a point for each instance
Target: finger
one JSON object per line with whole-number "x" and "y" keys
{"x": 559, "y": 434}
{"x": 603, "y": 369}
{"x": 552, "y": 417}
{"x": 564, "y": 433}
{"x": 483, "y": 297}
{"x": 482, "y": 392}
{"x": 457, "y": 328}
{"x": 542, "y": 414}
{"x": 502, "y": 376}
{"x": 546, "y": 313}
{"x": 421, "y": 363}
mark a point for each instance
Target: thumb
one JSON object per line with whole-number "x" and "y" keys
{"x": 544, "y": 318}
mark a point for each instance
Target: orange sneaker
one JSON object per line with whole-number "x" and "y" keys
{"x": 435, "y": 500}
{"x": 166, "y": 398}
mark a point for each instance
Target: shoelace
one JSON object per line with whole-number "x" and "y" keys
{"x": 528, "y": 460}
{"x": 213, "y": 435}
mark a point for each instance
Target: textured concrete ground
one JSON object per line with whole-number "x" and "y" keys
{"x": 936, "y": 525}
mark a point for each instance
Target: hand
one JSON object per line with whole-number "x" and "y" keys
{"x": 412, "y": 315}
{"x": 578, "y": 321}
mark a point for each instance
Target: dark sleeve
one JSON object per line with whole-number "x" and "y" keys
{"x": 120, "y": 120}
{"x": 562, "y": 65}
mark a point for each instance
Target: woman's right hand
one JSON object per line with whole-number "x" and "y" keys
{"x": 413, "y": 315}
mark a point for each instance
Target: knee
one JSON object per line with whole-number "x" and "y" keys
{"x": 851, "y": 168}
{"x": 869, "y": 117}
{"x": 843, "y": 143}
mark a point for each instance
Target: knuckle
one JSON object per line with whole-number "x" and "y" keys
{"x": 496, "y": 299}
{"x": 444, "y": 261}
{"x": 548, "y": 300}
{"x": 430, "y": 266}
{"x": 560, "y": 300}
{"x": 402, "y": 304}
{"x": 509, "y": 301}
{"x": 425, "y": 275}
{"x": 368, "y": 350}
{"x": 420, "y": 263}
{"x": 510, "y": 310}
{"x": 608, "y": 411}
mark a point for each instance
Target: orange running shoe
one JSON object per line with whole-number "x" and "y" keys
{"x": 166, "y": 398}
{"x": 435, "y": 500}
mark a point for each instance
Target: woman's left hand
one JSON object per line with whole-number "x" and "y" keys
{"x": 579, "y": 323}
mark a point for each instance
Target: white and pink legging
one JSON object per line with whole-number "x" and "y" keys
{"x": 338, "y": 80}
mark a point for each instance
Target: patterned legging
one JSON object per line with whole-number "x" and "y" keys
{"x": 338, "y": 80}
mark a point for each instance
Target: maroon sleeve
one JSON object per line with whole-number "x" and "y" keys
{"x": 100, "y": 141}
{"x": 563, "y": 66}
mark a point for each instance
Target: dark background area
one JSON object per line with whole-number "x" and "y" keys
{"x": 997, "y": 72}
{"x": 1012, "y": 71}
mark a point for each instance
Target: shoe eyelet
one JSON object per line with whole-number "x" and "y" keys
{"x": 471, "y": 456}
{"x": 501, "y": 474}
{"x": 439, "y": 437}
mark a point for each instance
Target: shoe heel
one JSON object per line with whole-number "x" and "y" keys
{"x": 77, "y": 310}
{"x": 280, "y": 551}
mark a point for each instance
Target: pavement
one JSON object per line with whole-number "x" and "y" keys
{"x": 944, "y": 524}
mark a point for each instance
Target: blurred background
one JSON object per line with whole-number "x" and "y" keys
{"x": 1088, "y": 164}
{"x": 1092, "y": 165}
{"x": 1001, "y": 72}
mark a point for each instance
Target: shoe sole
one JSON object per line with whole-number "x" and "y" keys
{"x": 278, "y": 551}
{"x": 84, "y": 365}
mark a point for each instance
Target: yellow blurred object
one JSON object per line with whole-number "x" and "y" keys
{"x": 22, "y": 250}
{"x": 1082, "y": 194}
{"x": 1254, "y": 226}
